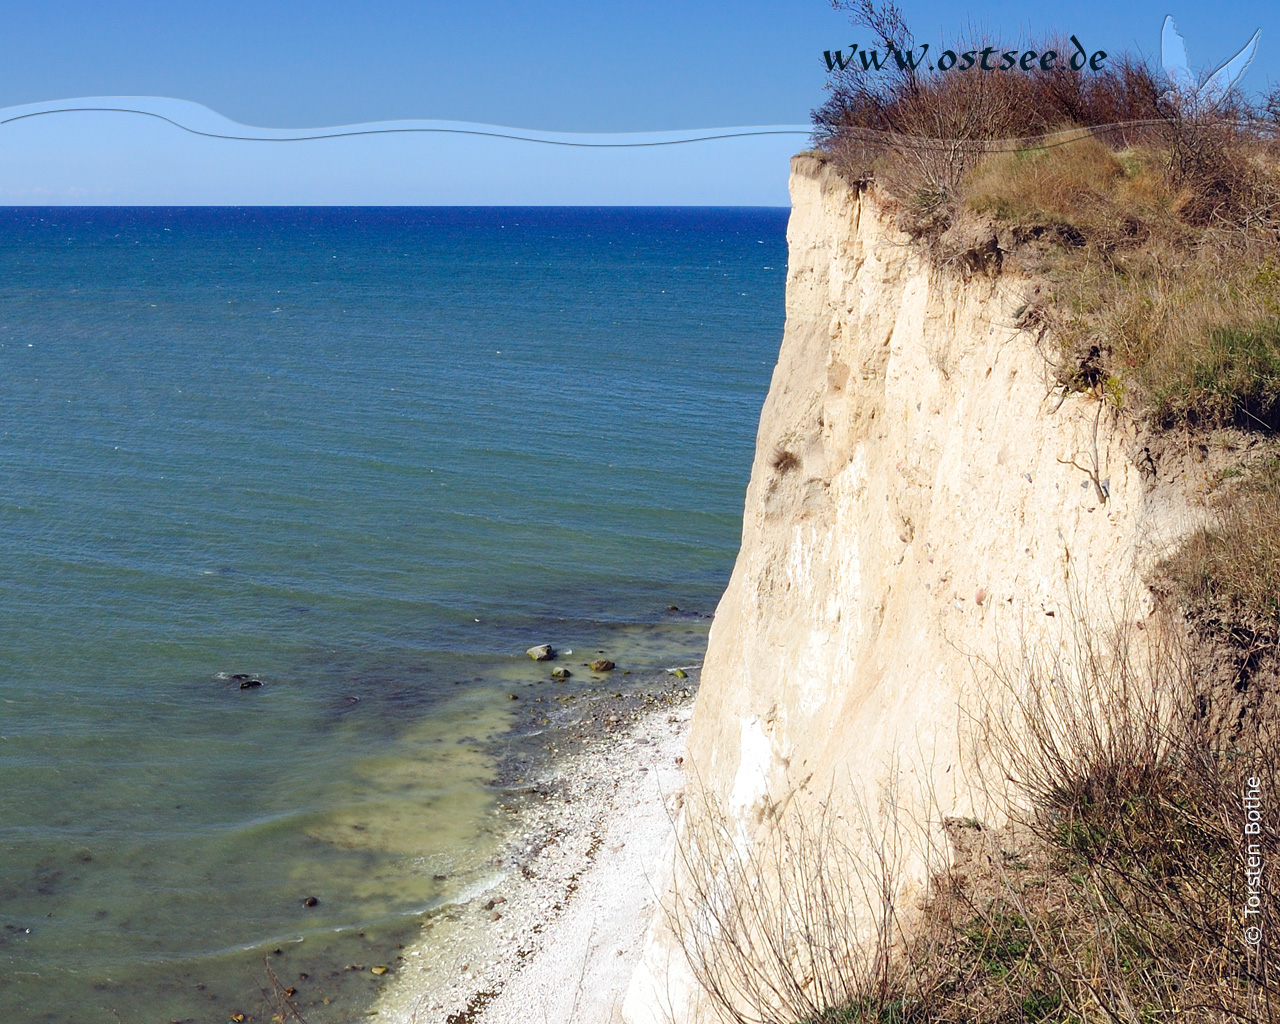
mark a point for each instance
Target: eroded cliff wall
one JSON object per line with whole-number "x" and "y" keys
{"x": 917, "y": 506}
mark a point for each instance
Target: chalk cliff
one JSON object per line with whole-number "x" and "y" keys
{"x": 921, "y": 500}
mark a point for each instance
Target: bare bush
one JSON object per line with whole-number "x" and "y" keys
{"x": 794, "y": 922}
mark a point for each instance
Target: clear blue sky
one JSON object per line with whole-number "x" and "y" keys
{"x": 567, "y": 66}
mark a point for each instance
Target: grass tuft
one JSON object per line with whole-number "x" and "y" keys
{"x": 1230, "y": 572}
{"x": 785, "y": 460}
{"x": 1229, "y": 377}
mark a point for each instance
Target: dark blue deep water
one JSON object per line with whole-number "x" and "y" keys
{"x": 355, "y": 453}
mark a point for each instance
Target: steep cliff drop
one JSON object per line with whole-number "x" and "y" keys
{"x": 922, "y": 502}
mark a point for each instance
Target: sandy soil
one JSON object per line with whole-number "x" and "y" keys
{"x": 556, "y": 935}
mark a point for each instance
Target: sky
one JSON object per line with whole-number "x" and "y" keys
{"x": 569, "y": 66}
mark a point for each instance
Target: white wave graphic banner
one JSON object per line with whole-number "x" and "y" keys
{"x": 125, "y": 150}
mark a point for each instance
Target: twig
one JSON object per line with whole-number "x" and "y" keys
{"x": 1093, "y": 474}
{"x": 582, "y": 975}
{"x": 279, "y": 995}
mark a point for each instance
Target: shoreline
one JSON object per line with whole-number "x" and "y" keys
{"x": 559, "y": 931}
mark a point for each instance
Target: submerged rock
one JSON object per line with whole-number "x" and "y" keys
{"x": 541, "y": 652}
{"x": 601, "y": 665}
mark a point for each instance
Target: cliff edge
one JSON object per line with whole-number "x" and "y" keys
{"x": 922, "y": 502}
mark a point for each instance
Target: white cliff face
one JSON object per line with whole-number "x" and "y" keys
{"x": 915, "y": 506}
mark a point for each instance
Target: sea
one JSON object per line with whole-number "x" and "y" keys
{"x": 285, "y": 494}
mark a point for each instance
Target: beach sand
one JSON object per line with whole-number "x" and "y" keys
{"x": 557, "y": 931}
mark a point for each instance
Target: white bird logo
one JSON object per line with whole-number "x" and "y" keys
{"x": 1173, "y": 55}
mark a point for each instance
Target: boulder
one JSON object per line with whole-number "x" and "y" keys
{"x": 541, "y": 652}
{"x": 601, "y": 665}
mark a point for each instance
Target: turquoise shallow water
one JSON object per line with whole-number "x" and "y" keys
{"x": 368, "y": 456}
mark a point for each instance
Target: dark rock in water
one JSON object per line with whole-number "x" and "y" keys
{"x": 311, "y": 901}
{"x": 541, "y": 652}
{"x": 239, "y": 677}
{"x": 672, "y": 608}
{"x": 249, "y": 683}
{"x": 560, "y": 673}
{"x": 601, "y": 665}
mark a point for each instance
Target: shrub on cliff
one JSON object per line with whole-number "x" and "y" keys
{"x": 1157, "y": 228}
{"x": 920, "y": 131}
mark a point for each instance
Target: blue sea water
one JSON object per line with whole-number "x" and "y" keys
{"x": 366, "y": 456}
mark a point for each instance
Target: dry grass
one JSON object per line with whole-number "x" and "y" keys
{"x": 1225, "y": 374}
{"x": 1183, "y": 319}
{"x": 1164, "y": 267}
{"x": 1104, "y": 197}
{"x": 1141, "y": 809}
{"x": 1117, "y": 891}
